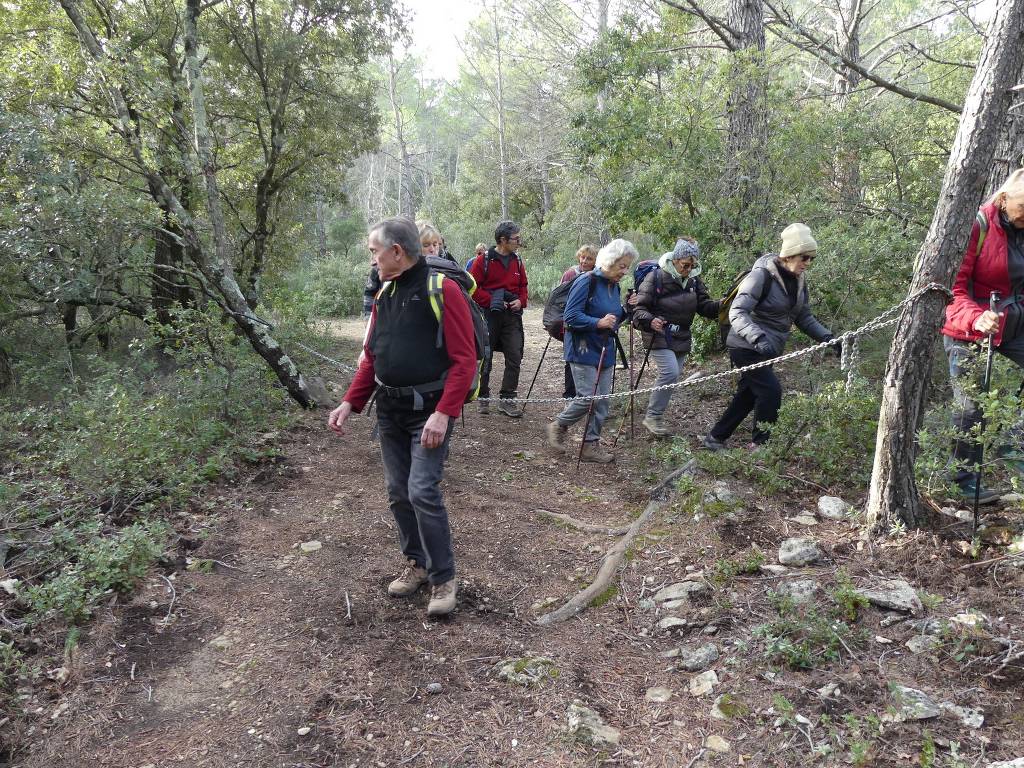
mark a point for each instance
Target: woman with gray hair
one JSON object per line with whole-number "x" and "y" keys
{"x": 593, "y": 312}
{"x": 668, "y": 300}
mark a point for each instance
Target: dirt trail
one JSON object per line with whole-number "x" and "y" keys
{"x": 301, "y": 659}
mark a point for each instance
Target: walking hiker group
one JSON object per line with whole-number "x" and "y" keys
{"x": 433, "y": 329}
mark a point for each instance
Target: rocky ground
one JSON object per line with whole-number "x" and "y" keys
{"x": 742, "y": 629}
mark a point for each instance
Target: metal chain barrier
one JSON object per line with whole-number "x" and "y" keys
{"x": 331, "y": 360}
{"x": 849, "y": 341}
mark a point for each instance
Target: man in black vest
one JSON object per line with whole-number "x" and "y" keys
{"x": 421, "y": 386}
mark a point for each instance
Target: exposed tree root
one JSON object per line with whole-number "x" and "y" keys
{"x": 614, "y": 556}
{"x": 579, "y": 525}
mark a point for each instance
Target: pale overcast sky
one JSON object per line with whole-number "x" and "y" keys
{"x": 436, "y": 24}
{"x": 434, "y": 28}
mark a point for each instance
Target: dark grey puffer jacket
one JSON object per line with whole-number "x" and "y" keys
{"x": 770, "y": 319}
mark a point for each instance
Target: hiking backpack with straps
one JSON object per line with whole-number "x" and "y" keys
{"x": 554, "y": 308}
{"x": 730, "y": 296}
{"x": 439, "y": 269}
{"x": 643, "y": 269}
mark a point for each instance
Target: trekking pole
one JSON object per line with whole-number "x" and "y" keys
{"x": 530, "y": 390}
{"x": 993, "y": 301}
{"x": 632, "y": 384}
{"x": 636, "y": 385}
{"x": 621, "y": 351}
{"x": 597, "y": 383}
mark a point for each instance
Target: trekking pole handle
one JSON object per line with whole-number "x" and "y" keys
{"x": 993, "y": 301}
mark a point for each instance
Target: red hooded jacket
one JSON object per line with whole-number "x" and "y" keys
{"x": 979, "y": 275}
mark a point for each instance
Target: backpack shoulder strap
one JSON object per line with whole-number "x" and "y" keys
{"x": 435, "y": 294}
{"x": 767, "y": 285}
{"x": 982, "y": 231}
{"x": 592, "y": 287}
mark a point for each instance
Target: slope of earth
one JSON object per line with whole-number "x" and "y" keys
{"x": 270, "y": 653}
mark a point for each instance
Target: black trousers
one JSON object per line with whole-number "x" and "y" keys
{"x": 758, "y": 391}
{"x": 507, "y": 337}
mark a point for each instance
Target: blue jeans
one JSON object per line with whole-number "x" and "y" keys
{"x": 585, "y": 377}
{"x": 670, "y": 365}
{"x": 413, "y": 474}
{"x": 966, "y": 411}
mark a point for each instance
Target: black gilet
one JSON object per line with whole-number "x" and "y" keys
{"x": 404, "y": 337}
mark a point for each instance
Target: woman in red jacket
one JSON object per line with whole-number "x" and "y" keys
{"x": 994, "y": 261}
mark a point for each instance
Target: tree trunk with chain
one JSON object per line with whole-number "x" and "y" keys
{"x": 893, "y": 495}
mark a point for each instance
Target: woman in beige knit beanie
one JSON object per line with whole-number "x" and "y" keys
{"x": 772, "y": 298}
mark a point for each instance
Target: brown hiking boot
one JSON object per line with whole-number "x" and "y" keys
{"x": 510, "y": 409}
{"x": 557, "y": 436}
{"x": 656, "y": 426}
{"x": 442, "y": 598}
{"x": 593, "y": 452}
{"x": 409, "y": 580}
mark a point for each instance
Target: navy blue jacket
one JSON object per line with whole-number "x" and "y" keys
{"x": 583, "y": 339}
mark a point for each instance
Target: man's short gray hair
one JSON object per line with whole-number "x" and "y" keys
{"x": 401, "y": 232}
{"x": 615, "y": 250}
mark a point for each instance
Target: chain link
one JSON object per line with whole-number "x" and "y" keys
{"x": 849, "y": 340}
{"x": 331, "y": 360}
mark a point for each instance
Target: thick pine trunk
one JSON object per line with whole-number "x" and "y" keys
{"x": 894, "y": 495}
{"x": 748, "y": 122}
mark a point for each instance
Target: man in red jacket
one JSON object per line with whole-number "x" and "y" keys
{"x": 421, "y": 387}
{"x": 501, "y": 290}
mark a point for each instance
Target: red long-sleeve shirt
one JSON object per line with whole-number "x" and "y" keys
{"x": 512, "y": 279}
{"x": 460, "y": 345}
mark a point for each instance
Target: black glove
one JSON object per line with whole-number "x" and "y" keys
{"x": 765, "y": 347}
{"x": 498, "y": 301}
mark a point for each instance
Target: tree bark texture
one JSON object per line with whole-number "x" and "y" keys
{"x": 748, "y": 121}
{"x": 847, "y": 159}
{"x": 1010, "y": 151}
{"x": 217, "y": 271}
{"x": 893, "y": 494}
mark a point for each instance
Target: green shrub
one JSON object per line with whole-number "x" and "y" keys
{"x": 131, "y": 438}
{"x": 819, "y": 437}
{"x": 802, "y": 637}
{"x": 92, "y": 566}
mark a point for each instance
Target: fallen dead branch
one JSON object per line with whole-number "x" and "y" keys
{"x": 1010, "y": 556}
{"x": 581, "y": 525}
{"x": 615, "y": 554}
